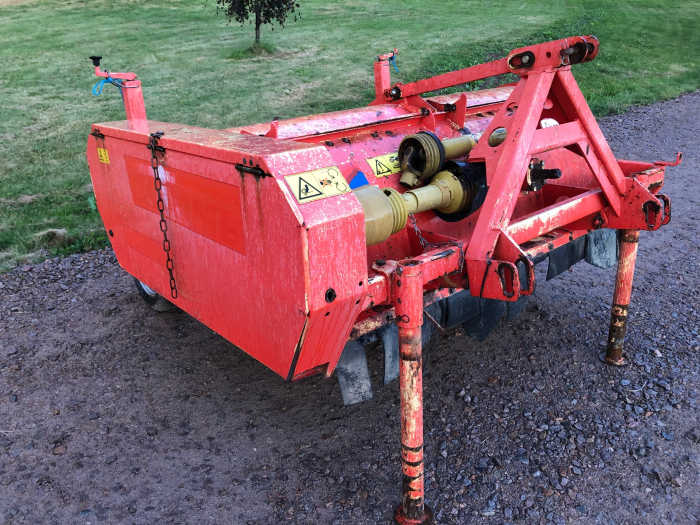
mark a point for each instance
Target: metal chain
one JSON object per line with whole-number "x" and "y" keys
{"x": 155, "y": 149}
{"x": 425, "y": 244}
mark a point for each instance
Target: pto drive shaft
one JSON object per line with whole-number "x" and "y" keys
{"x": 422, "y": 156}
{"x": 386, "y": 210}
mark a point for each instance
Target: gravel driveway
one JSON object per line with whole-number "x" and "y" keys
{"x": 111, "y": 413}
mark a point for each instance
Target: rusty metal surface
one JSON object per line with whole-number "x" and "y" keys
{"x": 409, "y": 281}
{"x": 621, "y": 298}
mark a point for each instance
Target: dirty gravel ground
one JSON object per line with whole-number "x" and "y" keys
{"x": 111, "y": 413}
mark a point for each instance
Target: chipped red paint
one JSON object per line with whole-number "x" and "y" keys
{"x": 238, "y": 234}
{"x": 621, "y": 297}
{"x": 408, "y": 302}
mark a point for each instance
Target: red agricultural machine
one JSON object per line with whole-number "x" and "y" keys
{"x": 300, "y": 240}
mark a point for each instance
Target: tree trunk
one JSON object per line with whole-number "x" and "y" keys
{"x": 258, "y": 20}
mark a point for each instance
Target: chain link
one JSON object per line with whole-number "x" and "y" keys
{"x": 425, "y": 244}
{"x": 155, "y": 149}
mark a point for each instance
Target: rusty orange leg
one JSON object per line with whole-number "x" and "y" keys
{"x": 409, "y": 313}
{"x": 621, "y": 299}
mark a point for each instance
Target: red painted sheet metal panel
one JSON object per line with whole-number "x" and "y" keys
{"x": 336, "y": 258}
{"x": 337, "y": 261}
{"x": 359, "y": 117}
{"x": 327, "y": 122}
{"x": 575, "y": 169}
{"x": 232, "y": 293}
{"x": 144, "y": 244}
{"x": 135, "y": 250}
{"x": 216, "y": 215}
{"x": 215, "y": 144}
{"x": 211, "y": 208}
{"x": 337, "y": 250}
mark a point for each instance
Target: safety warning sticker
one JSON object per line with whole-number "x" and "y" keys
{"x": 385, "y": 164}
{"x": 103, "y": 155}
{"x": 318, "y": 184}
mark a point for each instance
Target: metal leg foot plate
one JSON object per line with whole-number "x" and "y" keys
{"x": 622, "y": 362}
{"x": 427, "y": 518}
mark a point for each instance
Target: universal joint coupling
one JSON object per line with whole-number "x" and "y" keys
{"x": 423, "y": 155}
{"x": 386, "y": 210}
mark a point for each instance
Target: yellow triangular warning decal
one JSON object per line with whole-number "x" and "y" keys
{"x": 381, "y": 168}
{"x": 307, "y": 190}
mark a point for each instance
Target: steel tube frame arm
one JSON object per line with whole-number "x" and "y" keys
{"x": 520, "y": 61}
{"x": 130, "y": 87}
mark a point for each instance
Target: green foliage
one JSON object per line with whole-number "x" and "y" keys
{"x": 260, "y": 12}
{"x": 82, "y": 242}
{"x": 181, "y": 53}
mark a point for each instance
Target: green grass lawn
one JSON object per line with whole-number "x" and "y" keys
{"x": 195, "y": 70}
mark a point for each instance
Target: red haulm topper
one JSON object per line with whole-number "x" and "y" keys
{"x": 300, "y": 239}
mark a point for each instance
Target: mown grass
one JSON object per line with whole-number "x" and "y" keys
{"x": 200, "y": 71}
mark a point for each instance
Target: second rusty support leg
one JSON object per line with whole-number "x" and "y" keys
{"x": 409, "y": 316}
{"x": 621, "y": 299}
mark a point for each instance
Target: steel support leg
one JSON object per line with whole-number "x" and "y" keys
{"x": 409, "y": 315}
{"x": 621, "y": 299}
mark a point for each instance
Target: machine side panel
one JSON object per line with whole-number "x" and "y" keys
{"x": 337, "y": 262}
{"x": 221, "y": 226}
{"x": 206, "y": 206}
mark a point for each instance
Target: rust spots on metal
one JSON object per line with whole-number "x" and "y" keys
{"x": 630, "y": 236}
{"x": 621, "y": 299}
{"x": 616, "y": 334}
{"x": 409, "y": 303}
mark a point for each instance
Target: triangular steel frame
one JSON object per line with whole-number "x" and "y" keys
{"x": 493, "y": 256}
